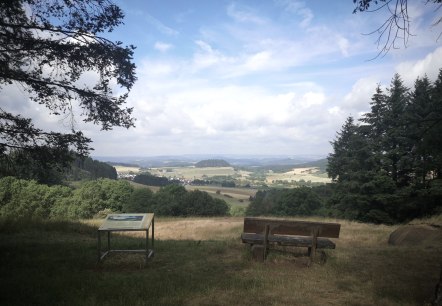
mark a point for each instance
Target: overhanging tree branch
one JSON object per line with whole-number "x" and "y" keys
{"x": 47, "y": 46}
{"x": 397, "y": 26}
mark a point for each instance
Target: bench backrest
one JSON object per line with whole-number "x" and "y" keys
{"x": 290, "y": 227}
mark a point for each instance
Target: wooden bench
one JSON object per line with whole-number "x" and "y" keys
{"x": 264, "y": 232}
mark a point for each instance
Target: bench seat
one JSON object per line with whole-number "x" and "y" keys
{"x": 298, "y": 241}
{"x": 263, "y": 233}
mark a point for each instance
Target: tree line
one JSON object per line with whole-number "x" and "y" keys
{"x": 152, "y": 180}
{"x": 386, "y": 167}
{"x": 20, "y": 165}
{"x": 29, "y": 199}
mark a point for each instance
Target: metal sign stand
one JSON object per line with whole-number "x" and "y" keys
{"x": 125, "y": 223}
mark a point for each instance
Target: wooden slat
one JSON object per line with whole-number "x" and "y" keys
{"x": 299, "y": 241}
{"x": 289, "y": 227}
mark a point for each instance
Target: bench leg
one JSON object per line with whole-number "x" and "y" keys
{"x": 258, "y": 252}
{"x": 266, "y": 240}
{"x": 312, "y": 249}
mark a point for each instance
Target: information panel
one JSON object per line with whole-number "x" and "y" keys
{"x": 123, "y": 222}
{"x": 126, "y": 222}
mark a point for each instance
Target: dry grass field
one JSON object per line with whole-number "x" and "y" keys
{"x": 202, "y": 261}
{"x": 127, "y": 170}
{"x": 307, "y": 174}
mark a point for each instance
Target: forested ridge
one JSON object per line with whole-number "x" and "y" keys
{"x": 212, "y": 163}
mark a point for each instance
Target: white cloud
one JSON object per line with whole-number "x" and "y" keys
{"x": 344, "y": 45}
{"x": 299, "y": 8}
{"x": 258, "y": 61}
{"x": 429, "y": 65}
{"x": 358, "y": 100}
{"x": 162, "y": 47}
{"x": 188, "y": 111}
{"x": 243, "y": 14}
{"x": 206, "y": 57}
{"x": 161, "y": 27}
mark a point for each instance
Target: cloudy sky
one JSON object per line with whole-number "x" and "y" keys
{"x": 274, "y": 77}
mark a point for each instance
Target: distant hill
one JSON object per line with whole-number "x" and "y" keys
{"x": 212, "y": 163}
{"x": 262, "y": 161}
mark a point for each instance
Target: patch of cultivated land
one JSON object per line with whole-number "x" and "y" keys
{"x": 307, "y": 174}
{"x": 202, "y": 261}
{"x": 191, "y": 173}
{"x": 127, "y": 170}
{"x": 238, "y": 193}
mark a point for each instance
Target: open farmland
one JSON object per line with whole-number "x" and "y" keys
{"x": 127, "y": 170}
{"x": 190, "y": 173}
{"x": 307, "y": 174}
{"x": 239, "y": 193}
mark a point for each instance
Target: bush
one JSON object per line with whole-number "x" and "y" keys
{"x": 97, "y": 195}
{"x": 175, "y": 200}
{"x": 23, "y": 198}
{"x": 140, "y": 201}
{"x": 151, "y": 180}
{"x": 302, "y": 201}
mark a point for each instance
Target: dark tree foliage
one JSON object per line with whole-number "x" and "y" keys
{"x": 27, "y": 198}
{"x": 387, "y": 169}
{"x": 394, "y": 142}
{"x": 151, "y": 180}
{"x": 417, "y": 115}
{"x": 228, "y": 184}
{"x": 140, "y": 201}
{"x": 432, "y": 130}
{"x": 302, "y": 201}
{"x": 88, "y": 168}
{"x": 46, "y": 47}
{"x": 175, "y": 200}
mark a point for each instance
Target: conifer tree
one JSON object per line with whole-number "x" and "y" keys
{"x": 433, "y": 132}
{"x": 417, "y": 117}
{"x": 393, "y": 144}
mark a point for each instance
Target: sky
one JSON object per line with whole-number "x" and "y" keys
{"x": 261, "y": 77}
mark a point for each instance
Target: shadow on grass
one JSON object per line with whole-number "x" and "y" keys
{"x": 54, "y": 263}
{"x": 391, "y": 275}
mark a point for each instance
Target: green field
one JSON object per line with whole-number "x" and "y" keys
{"x": 201, "y": 261}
